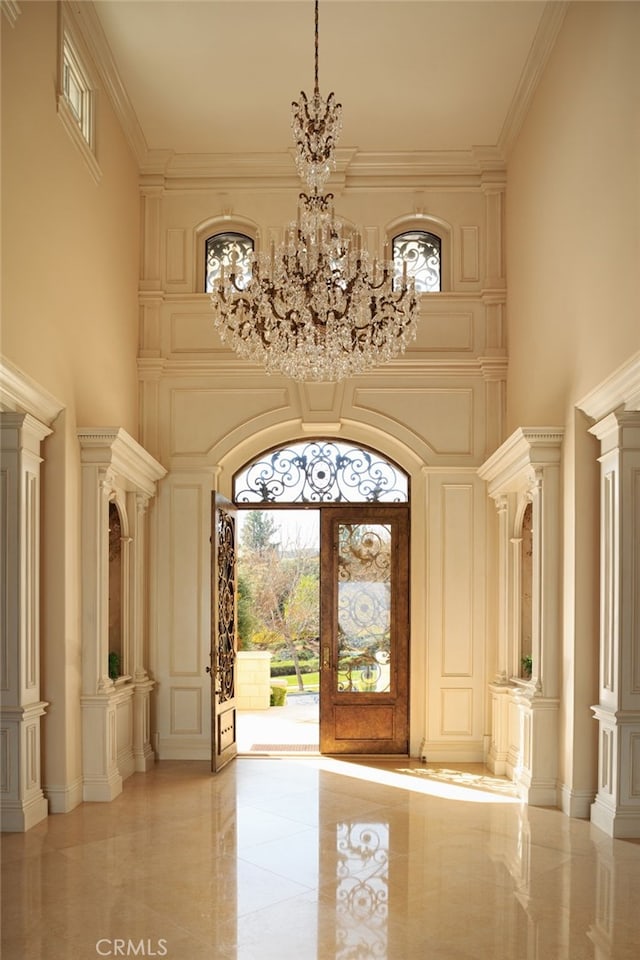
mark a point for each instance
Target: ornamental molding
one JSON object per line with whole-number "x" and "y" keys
{"x": 88, "y": 23}
{"x": 521, "y": 458}
{"x": 620, "y": 389}
{"x": 224, "y": 362}
{"x": 476, "y": 168}
{"x": 543, "y": 43}
{"x": 112, "y": 449}
{"x": 19, "y": 393}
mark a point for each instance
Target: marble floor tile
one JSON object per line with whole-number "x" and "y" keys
{"x": 313, "y": 858}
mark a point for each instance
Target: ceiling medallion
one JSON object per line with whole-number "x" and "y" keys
{"x": 317, "y": 306}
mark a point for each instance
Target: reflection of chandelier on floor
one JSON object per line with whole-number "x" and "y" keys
{"x": 317, "y": 306}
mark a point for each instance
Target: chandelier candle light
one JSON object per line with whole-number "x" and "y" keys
{"x": 317, "y": 306}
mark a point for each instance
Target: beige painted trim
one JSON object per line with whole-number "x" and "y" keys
{"x": 620, "y": 389}
{"x": 20, "y": 394}
{"x": 543, "y": 44}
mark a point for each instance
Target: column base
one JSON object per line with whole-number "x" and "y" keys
{"x": 16, "y": 817}
{"x": 102, "y": 790}
{"x": 620, "y": 824}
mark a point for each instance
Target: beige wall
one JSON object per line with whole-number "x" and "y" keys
{"x": 573, "y": 217}
{"x": 573, "y": 304}
{"x": 70, "y": 250}
{"x": 69, "y": 321}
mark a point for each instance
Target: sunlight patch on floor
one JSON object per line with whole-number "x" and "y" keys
{"x": 434, "y": 781}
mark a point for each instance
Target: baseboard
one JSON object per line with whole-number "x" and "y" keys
{"x": 171, "y": 749}
{"x": 576, "y": 803}
{"x": 460, "y": 751}
{"x": 64, "y": 799}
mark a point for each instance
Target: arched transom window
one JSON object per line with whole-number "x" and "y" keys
{"x": 321, "y": 471}
{"x": 224, "y": 250}
{"x": 421, "y": 252}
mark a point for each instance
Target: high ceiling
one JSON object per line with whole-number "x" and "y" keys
{"x": 218, "y": 76}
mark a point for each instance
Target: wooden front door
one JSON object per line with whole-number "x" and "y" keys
{"x": 224, "y": 746}
{"x": 364, "y": 630}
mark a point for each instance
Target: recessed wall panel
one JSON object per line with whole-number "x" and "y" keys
{"x": 185, "y": 711}
{"x": 5, "y": 602}
{"x": 634, "y": 626}
{"x": 457, "y": 580}
{"x": 444, "y": 332}
{"x": 176, "y": 256}
{"x": 456, "y": 712}
{"x": 470, "y": 266}
{"x": 200, "y": 417}
{"x": 185, "y": 643}
{"x": 442, "y": 417}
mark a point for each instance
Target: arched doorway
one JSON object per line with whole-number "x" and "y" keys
{"x": 363, "y": 500}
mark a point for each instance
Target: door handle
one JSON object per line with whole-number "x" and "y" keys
{"x": 326, "y": 657}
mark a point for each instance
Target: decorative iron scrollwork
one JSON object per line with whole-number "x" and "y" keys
{"x": 225, "y": 659}
{"x": 321, "y": 471}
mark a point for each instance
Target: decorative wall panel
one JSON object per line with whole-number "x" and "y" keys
{"x": 176, "y": 260}
{"x": 193, "y": 333}
{"x": 470, "y": 266}
{"x": 609, "y": 575}
{"x": 185, "y": 711}
{"x": 457, "y": 712}
{"x": 445, "y": 332}
{"x": 443, "y": 418}
{"x": 5, "y": 606}
{"x": 186, "y": 581}
{"x": 199, "y": 417}
{"x": 457, "y": 580}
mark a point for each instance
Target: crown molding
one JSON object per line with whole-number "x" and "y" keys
{"x": 113, "y": 448}
{"x": 88, "y": 23}
{"x": 19, "y": 393}
{"x": 543, "y": 43}
{"x": 355, "y": 169}
{"x": 11, "y": 10}
{"x": 479, "y": 168}
{"x": 507, "y": 469}
{"x": 621, "y": 389}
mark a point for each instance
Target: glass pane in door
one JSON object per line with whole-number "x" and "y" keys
{"x": 364, "y": 608}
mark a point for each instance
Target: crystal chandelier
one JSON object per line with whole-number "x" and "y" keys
{"x": 317, "y": 306}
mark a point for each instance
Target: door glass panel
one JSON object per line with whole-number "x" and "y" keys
{"x": 364, "y": 608}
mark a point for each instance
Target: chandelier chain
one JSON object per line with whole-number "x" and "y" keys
{"x": 316, "y": 88}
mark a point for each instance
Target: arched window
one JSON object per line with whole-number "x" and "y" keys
{"x": 421, "y": 252}
{"x": 227, "y": 250}
{"x": 321, "y": 471}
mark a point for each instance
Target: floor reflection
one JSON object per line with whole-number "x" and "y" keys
{"x": 362, "y": 889}
{"x": 314, "y": 858}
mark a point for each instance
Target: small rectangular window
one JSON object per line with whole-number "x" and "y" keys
{"x": 76, "y": 89}
{"x": 76, "y": 93}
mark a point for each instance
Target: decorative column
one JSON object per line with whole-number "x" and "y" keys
{"x": 101, "y": 778}
{"x": 22, "y": 802}
{"x": 524, "y": 743}
{"x": 115, "y": 715}
{"x": 142, "y": 750}
{"x": 500, "y": 686}
{"x": 616, "y": 809}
